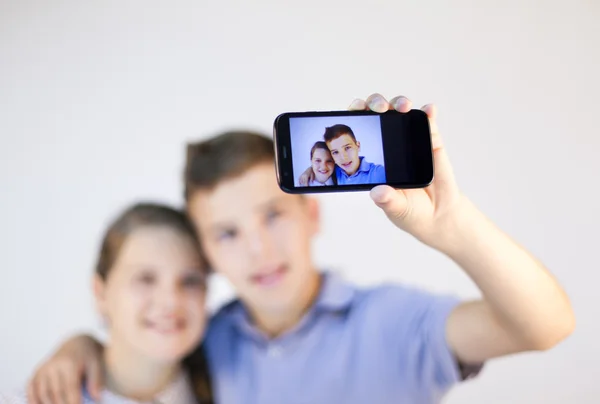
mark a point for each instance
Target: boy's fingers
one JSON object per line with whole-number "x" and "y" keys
{"x": 401, "y": 104}
{"x": 430, "y": 110}
{"x": 358, "y": 105}
{"x": 94, "y": 379}
{"x": 72, "y": 391}
{"x": 377, "y": 103}
{"x": 44, "y": 391}
{"x": 56, "y": 387}
{"x": 32, "y": 397}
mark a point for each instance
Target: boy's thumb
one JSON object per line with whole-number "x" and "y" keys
{"x": 392, "y": 202}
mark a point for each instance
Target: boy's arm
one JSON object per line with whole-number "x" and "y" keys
{"x": 523, "y": 307}
{"x": 59, "y": 379}
{"x": 307, "y": 176}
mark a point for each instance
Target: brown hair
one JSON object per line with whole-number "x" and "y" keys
{"x": 335, "y": 131}
{"x": 224, "y": 156}
{"x": 135, "y": 217}
{"x": 151, "y": 214}
{"x": 318, "y": 145}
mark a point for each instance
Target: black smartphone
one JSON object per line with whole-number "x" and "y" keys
{"x": 352, "y": 150}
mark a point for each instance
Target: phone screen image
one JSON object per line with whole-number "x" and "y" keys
{"x": 343, "y": 151}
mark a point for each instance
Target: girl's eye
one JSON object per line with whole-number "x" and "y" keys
{"x": 194, "y": 281}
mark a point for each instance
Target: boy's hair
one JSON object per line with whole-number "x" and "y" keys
{"x": 318, "y": 145}
{"x": 335, "y": 131}
{"x": 136, "y": 217}
{"x": 224, "y": 156}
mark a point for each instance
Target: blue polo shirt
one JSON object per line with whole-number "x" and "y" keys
{"x": 380, "y": 345}
{"x": 367, "y": 173}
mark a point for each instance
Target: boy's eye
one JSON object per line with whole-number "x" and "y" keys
{"x": 146, "y": 278}
{"x": 273, "y": 214}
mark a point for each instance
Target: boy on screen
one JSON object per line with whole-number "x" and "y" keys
{"x": 350, "y": 167}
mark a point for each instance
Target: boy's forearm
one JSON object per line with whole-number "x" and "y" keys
{"x": 522, "y": 294}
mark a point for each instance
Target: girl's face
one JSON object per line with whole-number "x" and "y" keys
{"x": 154, "y": 295}
{"x": 322, "y": 165}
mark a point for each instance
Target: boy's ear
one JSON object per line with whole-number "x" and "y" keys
{"x": 358, "y": 144}
{"x": 314, "y": 214}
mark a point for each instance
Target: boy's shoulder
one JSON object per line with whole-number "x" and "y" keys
{"x": 225, "y": 316}
{"x": 399, "y": 296}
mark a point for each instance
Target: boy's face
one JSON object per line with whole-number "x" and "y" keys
{"x": 259, "y": 238}
{"x": 345, "y": 153}
{"x": 322, "y": 165}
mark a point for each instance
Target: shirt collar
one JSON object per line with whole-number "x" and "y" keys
{"x": 335, "y": 295}
{"x": 363, "y": 167}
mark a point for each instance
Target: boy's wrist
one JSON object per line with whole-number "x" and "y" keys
{"x": 460, "y": 229}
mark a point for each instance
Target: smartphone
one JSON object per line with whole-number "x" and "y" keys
{"x": 338, "y": 151}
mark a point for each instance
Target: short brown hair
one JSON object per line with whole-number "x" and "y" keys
{"x": 138, "y": 216}
{"x": 335, "y": 131}
{"x": 224, "y": 156}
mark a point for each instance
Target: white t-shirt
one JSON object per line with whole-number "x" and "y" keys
{"x": 178, "y": 392}
{"x": 315, "y": 183}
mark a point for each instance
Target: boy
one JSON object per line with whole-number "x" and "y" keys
{"x": 295, "y": 335}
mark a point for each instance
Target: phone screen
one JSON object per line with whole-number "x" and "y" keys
{"x": 352, "y": 150}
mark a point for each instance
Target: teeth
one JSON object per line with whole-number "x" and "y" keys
{"x": 166, "y": 326}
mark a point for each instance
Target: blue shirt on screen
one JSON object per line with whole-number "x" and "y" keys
{"x": 367, "y": 173}
{"x": 354, "y": 346}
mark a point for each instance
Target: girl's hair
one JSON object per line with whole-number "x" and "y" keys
{"x": 151, "y": 214}
{"x": 319, "y": 145}
{"x": 138, "y": 216}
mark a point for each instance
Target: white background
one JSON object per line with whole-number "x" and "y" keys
{"x": 304, "y": 132}
{"x": 98, "y": 98}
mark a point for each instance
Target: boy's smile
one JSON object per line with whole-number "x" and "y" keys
{"x": 259, "y": 238}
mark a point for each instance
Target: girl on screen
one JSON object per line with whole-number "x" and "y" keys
{"x": 323, "y": 165}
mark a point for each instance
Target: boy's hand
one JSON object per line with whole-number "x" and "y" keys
{"x": 307, "y": 176}
{"x": 59, "y": 379}
{"x": 430, "y": 214}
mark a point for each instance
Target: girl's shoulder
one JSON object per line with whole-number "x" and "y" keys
{"x": 20, "y": 397}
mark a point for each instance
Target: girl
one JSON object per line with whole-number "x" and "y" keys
{"x": 322, "y": 165}
{"x": 149, "y": 287}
